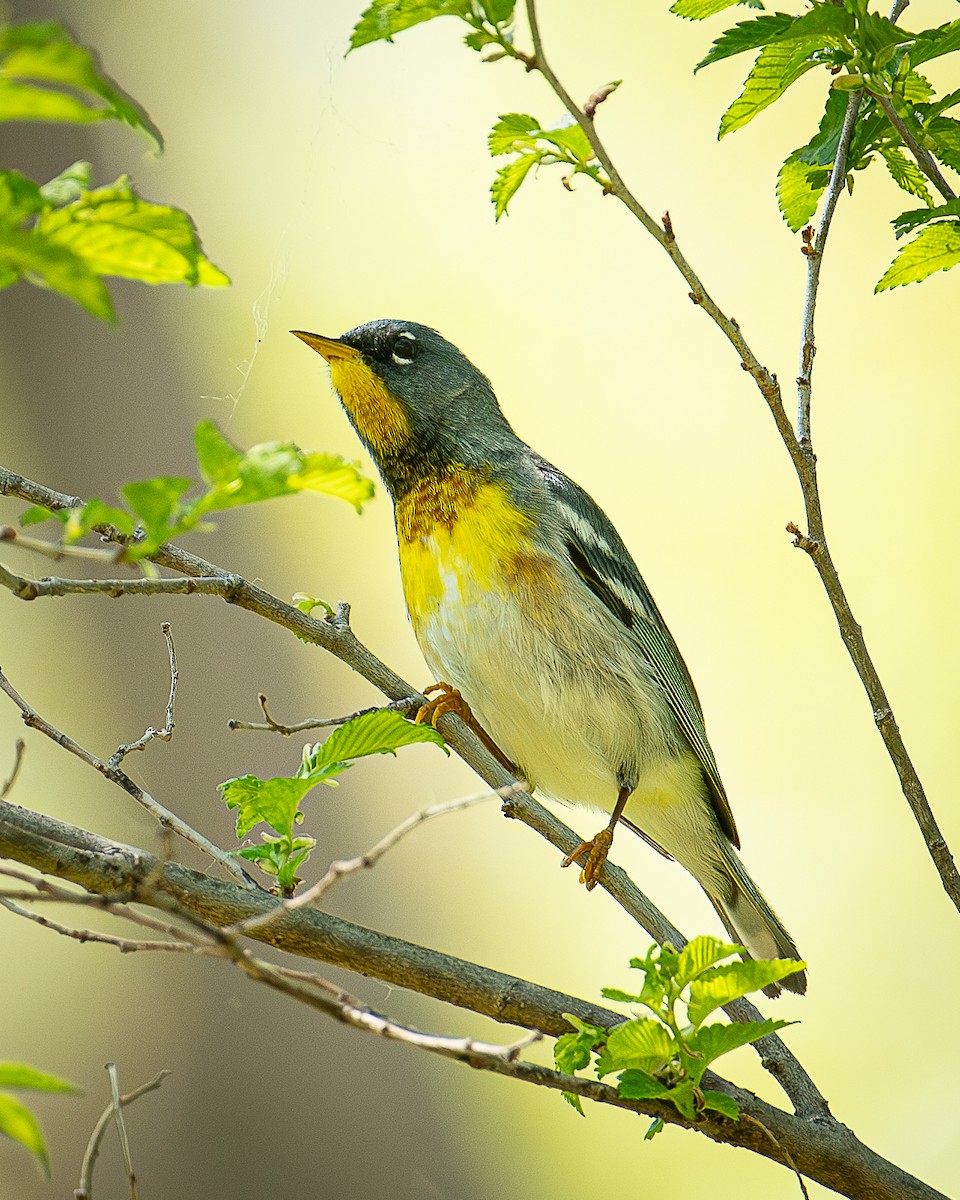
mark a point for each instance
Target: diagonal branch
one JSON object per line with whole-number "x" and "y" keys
{"x": 925, "y": 160}
{"x": 797, "y": 444}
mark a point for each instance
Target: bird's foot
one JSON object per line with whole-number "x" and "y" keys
{"x": 596, "y": 851}
{"x": 449, "y": 700}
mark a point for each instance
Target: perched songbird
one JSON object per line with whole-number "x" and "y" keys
{"x": 525, "y": 600}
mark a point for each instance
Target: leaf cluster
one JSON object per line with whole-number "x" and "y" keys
{"x": 664, "y": 1056}
{"x": 17, "y": 1121}
{"x": 159, "y": 510}
{"x": 276, "y": 802}
{"x": 63, "y": 234}
{"x": 866, "y": 53}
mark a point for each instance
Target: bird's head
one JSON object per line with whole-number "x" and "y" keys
{"x": 418, "y": 404}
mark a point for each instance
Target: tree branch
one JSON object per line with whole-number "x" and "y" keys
{"x": 821, "y": 1147}
{"x": 925, "y": 160}
{"x": 804, "y": 462}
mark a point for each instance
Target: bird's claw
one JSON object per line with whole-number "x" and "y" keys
{"x": 596, "y": 851}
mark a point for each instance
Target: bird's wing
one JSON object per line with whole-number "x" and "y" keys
{"x": 602, "y": 561}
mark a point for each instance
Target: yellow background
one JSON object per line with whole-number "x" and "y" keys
{"x": 336, "y": 190}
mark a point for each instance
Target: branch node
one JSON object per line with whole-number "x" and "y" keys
{"x": 801, "y": 540}
{"x": 882, "y": 714}
{"x": 668, "y": 228}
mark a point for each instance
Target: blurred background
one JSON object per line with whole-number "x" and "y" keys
{"x": 334, "y": 190}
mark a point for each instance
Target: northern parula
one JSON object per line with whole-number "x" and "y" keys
{"x": 525, "y": 600}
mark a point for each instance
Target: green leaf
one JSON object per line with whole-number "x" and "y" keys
{"x": 642, "y": 1043}
{"x": 384, "y": 18}
{"x": 914, "y": 88}
{"x": 25, "y": 102}
{"x": 269, "y": 470}
{"x": 157, "y": 503}
{"x": 638, "y": 1085}
{"x": 747, "y": 35}
{"x": 697, "y": 10}
{"x": 655, "y": 1127}
{"x": 117, "y": 233}
{"x": 945, "y": 132}
{"x": 16, "y": 1074}
{"x": 907, "y": 222}
{"x": 722, "y": 1103}
{"x": 572, "y": 1051}
{"x": 574, "y": 1101}
{"x": 273, "y": 801}
{"x": 45, "y": 53}
{"x": 620, "y": 996}
{"x": 935, "y": 248}
{"x": 69, "y": 185}
{"x": 799, "y": 188}
{"x": 934, "y": 43}
{"x": 84, "y": 520}
{"x": 508, "y": 181}
{"x": 777, "y": 67}
{"x": 19, "y": 197}
{"x": 380, "y": 732}
{"x": 513, "y": 132}
{"x": 699, "y": 954}
{"x": 498, "y": 12}
{"x": 906, "y": 174}
{"x": 720, "y": 985}
{"x": 821, "y": 150}
{"x": 712, "y": 1041}
{"x": 569, "y": 139}
{"x": 36, "y": 514}
{"x": 19, "y": 1123}
{"x": 42, "y": 261}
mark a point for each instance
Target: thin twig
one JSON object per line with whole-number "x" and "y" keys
{"x": 166, "y": 733}
{"x": 341, "y": 868}
{"x": 57, "y": 550}
{"x": 34, "y": 720}
{"x": 124, "y": 945}
{"x": 118, "y": 1120}
{"x": 804, "y": 464}
{"x": 814, "y": 256}
{"x": 925, "y": 160}
{"x": 33, "y": 589}
{"x": 85, "y": 1189}
{"x": 405, "y": 704}
{"x": 19, "y": 747}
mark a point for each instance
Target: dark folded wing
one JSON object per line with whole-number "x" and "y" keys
{"x": 603, "y": 562}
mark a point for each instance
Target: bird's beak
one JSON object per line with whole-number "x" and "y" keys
{"x": 329, "y": 348}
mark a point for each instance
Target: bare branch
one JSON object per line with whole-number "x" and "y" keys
{"x": 58, "y": 550}
{"x": 19, "y": 747}
{"x": 167, "y": 819}
{"x": 166, "y": 733}
{"x": 804, "y": 462}
{"x": 85, "y": 1189}
{"x": 406, "y": 704}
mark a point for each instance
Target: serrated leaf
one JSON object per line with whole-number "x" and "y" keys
{"x": 574, "y": 1101}
{"x": 381, "y": 732}
{"x": 638, "y": 1085}
{"x": 907, "y": 222}
{"x": 81, "y": 521}
{"x": 19, "y": 1123}
{"x": 914, "y": 88}
{"x": 26, "y": 102}
{"x": 935, "y": 248}
{"x": 821, "y": 150}
{"x": 945, "y": 131}
{"x": 698, "y": 10}
{"x": 777, "y": 67}
{"x": 722, "y": 1103}
{"x": 16, "y": 1074}
{"x": 570, "y": 139}
{"x": 699, "y": 954}
{"x": 656, "y": 1126}
{"x": 572, "y": 1051}
{"x": 498, "y": 12}
{"x": 720, "y": 985}
{"x": 642, "y": 1043}
{"x": 116, "y": 232}
{"x": 274, "y": 802}
{"x": 609, "y": 993}
{"x": 30, "y": 254}
{"x": 20, "y": 197}
{"x": 906, "y": 174}
{"x": 45, "y": 52}
{"x": 508, "y": 181}
{"x": 934, "y": 43}
{"x": 157, "y": 503}
{"x": 384, "y": 18}
{"x": 513, "y": 132}
{"x": 712, "y": 1041}
{"x": 333, "y": 476}
{"x": 799, "y": 188}
{"x": 747, "y": 35}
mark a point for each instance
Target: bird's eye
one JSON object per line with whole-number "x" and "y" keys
{"x": 405, "y": 349}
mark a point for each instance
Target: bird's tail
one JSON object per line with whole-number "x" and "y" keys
{"x": 750, "y": 921}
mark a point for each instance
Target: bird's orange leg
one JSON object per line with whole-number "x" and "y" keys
{"x": 598, "y": 847}
{"x": 450, "y": 700}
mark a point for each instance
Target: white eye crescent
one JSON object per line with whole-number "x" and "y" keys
{"x": 404, "y": 349}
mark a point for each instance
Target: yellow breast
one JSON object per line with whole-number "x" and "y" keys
{"x": 463, "y": 540}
